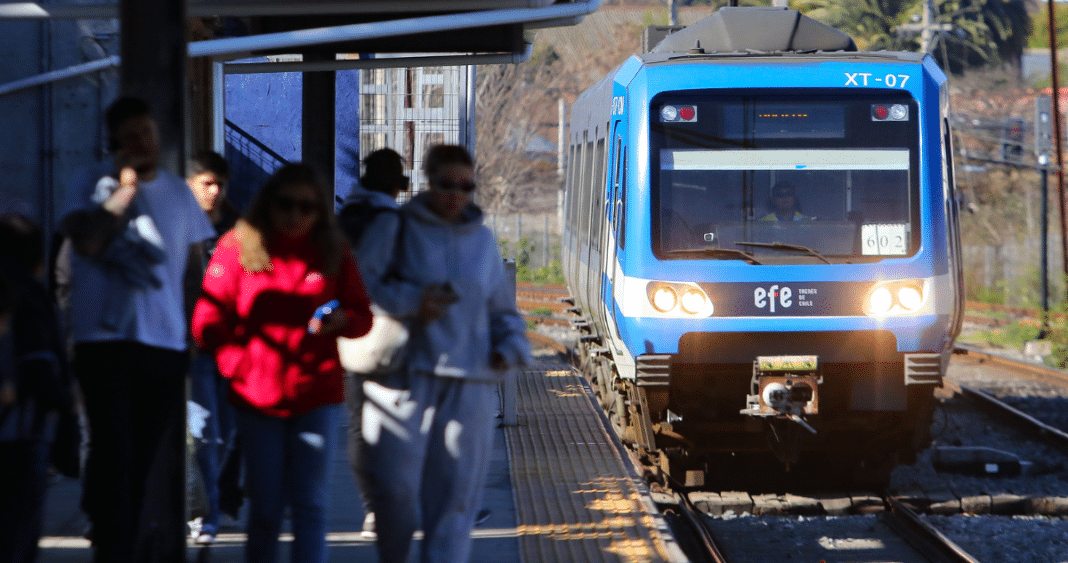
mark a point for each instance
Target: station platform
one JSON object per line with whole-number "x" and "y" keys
{"x": 560, "y": 490}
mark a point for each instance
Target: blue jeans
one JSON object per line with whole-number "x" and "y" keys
{"x": 209, "y": 389}
{"x": 286, "y": 464}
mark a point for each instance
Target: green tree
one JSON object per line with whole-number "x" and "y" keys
{"x": 986, "y": 33}
{"x": 871, "y": 23}
{"x": 982, "y": 33}
{"x": 1039, "y": 38}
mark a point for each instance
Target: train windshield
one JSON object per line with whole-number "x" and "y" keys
{"x": 820, "y": 178}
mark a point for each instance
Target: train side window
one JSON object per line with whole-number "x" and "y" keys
{"x": 621, "y": 230}
{"x": 572, "y": 179}
{"x": 587, "y": 191}
{"x": 580, "y": 191}
{"x": 613, "y": 195}
{"x": 598, "y": 192}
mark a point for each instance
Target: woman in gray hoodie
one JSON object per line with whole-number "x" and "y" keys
{"x": 429, "y": 427}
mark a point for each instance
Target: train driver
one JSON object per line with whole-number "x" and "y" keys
{"x": 783, "y": 204}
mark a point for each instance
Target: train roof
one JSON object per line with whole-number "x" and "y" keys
{"x": 755, "y": 29}
{"x": 785, "y": 56}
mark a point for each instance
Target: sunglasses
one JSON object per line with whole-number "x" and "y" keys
{"x": 288, "y": 204}
{"x": 452, "y": 186}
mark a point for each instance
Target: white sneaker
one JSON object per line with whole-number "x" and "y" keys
{"x": 368, "y": 531}
{"x": 194, "y": 527}
{"x": 202, "y": 534}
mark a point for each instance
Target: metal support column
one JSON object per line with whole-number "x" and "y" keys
{"x": 153, "y": 49}
{"x": 318, "y": 120}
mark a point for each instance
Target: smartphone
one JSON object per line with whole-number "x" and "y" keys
{"x": 316, "y": 322}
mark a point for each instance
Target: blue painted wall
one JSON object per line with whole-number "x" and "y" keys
{"x": 347, "y": 132}
{"x": 51, "y": 131}
{"x": 268, "y": 108}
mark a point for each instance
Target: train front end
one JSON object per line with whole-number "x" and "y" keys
{"x": 798, "y": 276}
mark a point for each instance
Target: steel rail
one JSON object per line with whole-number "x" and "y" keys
{"x": 922, "y": 536}
{"x": 1029, "y": 368}
{"x": 704, "y": 536}
{"x": 1021, "y": 419}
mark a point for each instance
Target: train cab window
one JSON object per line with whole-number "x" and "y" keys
{"x": 824, "y": 177}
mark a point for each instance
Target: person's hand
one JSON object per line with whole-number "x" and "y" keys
{"x": 328, "y": 319}
{"x": 334, "y": 323}
{"x": 435, "y": 301}
{"x": 122, "y": 197}
{"x": 497, "y": 361}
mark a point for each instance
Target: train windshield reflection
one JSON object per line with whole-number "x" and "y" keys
{"x": 818, "y": 178}
{"x": 835, "y": 202}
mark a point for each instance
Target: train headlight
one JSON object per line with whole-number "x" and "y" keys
{"x": 664, "y": 299}
{"x": 880, "y": 301}
{"x": 680, "y": 300}
{"x": 694, "y": 301}
{"x": 669, "y": 113}
{"x": 895, "y": 298}
{"x": 909, "y": 297}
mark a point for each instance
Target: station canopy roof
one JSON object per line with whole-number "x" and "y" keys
{"x": 328, "y": 27}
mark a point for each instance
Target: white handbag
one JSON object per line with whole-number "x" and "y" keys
{"x": 379, "y": 351}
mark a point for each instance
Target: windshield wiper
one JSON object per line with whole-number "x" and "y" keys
{"x": 785, "y": 246}
{"x": 720, "y": 252}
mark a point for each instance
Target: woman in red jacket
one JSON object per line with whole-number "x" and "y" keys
{"x": 281, "y": 263}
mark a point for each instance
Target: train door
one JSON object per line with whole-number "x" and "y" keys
{"x": 596, "y": 227}
{"x": 581, "y": 216}
{"x": 953, "y": 217}
{"x": 613, "y": 234}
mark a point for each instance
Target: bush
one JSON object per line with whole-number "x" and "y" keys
{"x": 523, "y": 251}
{"x": 1058, "y": 336}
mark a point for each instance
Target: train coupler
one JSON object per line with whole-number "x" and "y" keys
{"x": 785, "y": 387}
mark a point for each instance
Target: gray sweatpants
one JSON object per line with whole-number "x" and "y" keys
{"x": 428, "y": 442}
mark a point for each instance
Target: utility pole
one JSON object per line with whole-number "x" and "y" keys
{"x": 1043, "y": 144}
{"x": 926, "y": 34}
{"x": 926, "y": 27}
{"x": 1057, "y": 131}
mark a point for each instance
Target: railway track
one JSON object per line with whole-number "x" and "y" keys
{"x": 908, "y": 526}
{"x": 892, "y": 532}
{"x": 541, "y": 304}
{"x": 1048, "y": 425}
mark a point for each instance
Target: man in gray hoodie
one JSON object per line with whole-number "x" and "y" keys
{"x": 429, "y": 427}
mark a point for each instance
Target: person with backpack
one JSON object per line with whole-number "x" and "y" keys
{"x": 429, "y": 426}
{"x": 370, "y": 209}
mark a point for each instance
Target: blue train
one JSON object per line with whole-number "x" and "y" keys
{"x": 762, "y": 245}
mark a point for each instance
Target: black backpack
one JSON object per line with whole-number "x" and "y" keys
{"x": 356, "y": 216}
